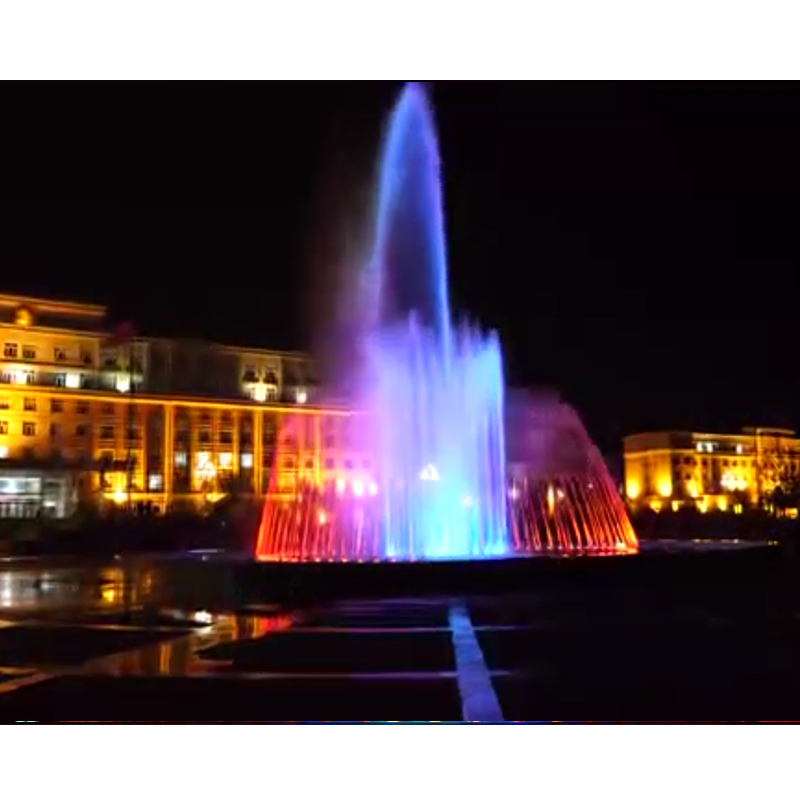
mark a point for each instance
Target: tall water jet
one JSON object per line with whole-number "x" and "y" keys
{"x": 434, "y": 393}
{"x": 431, "y": 401}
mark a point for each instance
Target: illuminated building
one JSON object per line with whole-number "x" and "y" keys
{"x": 723, "y": 472}
{"x": 85, "y": 416}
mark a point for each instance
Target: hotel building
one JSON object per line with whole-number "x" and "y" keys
{"x": 87, "y": 416}
{"x": 724, "y": 472}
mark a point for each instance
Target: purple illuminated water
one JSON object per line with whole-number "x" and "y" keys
{"x": 432, "y": 394}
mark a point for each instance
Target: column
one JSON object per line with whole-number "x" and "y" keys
{"x": 258, "y": 449}
{"x": 142, "y": 420}
{"x": 318, "y": 449}
{"x": 168, "y": 453}
{"x": 236, "y": 449}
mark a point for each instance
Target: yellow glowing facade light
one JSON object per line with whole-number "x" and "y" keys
{"x": 665, "y": 488}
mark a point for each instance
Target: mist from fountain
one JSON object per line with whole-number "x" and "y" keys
{"x": 431, "y": 395}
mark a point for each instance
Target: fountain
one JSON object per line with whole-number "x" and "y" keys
{"x": 433, "y": 413}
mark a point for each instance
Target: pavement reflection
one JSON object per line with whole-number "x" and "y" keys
{"x": 129, "y": 595}
{"x": 183, "y": 656}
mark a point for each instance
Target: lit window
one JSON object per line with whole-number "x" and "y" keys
{"x": 302, "y": 397}
{"x": 72, "y": 380}
{"x": 204, "y": 469}
{"x": 226, "y": 460}
{"x": 259, "y": 393}
{"x": 247, "y": 461}
{"x": 155, "y": 482}
{"x": 181, "y": 459}
{"x": 123, "y": 383}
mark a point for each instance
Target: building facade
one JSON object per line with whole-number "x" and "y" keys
{"x": 89, "y": 415}
{"x": 722, "y": 472}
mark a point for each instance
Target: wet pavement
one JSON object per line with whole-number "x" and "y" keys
{"x": 101, "y": 643}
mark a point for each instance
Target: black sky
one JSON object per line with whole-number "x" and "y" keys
{"x": 635, "y": 244}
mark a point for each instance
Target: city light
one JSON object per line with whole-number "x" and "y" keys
{"x": 430, "y": 473}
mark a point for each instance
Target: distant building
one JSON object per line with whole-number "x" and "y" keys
{"x": 106, "y": 416}
{"x": 723, "y": 472}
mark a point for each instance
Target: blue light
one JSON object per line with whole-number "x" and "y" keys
{"x": 434, "y": 391}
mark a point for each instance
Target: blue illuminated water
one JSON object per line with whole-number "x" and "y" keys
{"x": 433, "y": 391}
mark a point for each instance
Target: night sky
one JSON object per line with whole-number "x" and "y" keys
{"x": 636, "y": 245}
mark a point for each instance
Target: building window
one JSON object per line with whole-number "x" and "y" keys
{"x": 29, "y": 429}
{"x": 123, "y": 383}
{"x": 82, "y": 408}
{"x": 330, "y": 463}
{"x": 56, "y": 406}
{"x": 86, "y": 358}
{"x": 72, "y": 380}
{"x": 155, "y": 483}
{"x": 309, "y": 463}
{"x": 204, "y": 437}
{"x": 107, "y": 432}
{"x": 288, "y": 463}
{"x": 250, "y": 375}
{"x": 247, "y": 461}
{"x": 54, "y": 429}
{"x": 3, "y": 427}
{"x": 60, "y": 354}
{"x": 10, "y": 350}
{"x": 29, "y": 353}
{"x": 29, "y": 404}
{"x": 226, "y": 437}
{"x": 226, "y": 461}
{"x": 181, "y": 459}
{"x": 348, "y": 464}
{"x": 81, "y": 430}
{"x": 5, "y": 403}
{"x": 108, "y": 409}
